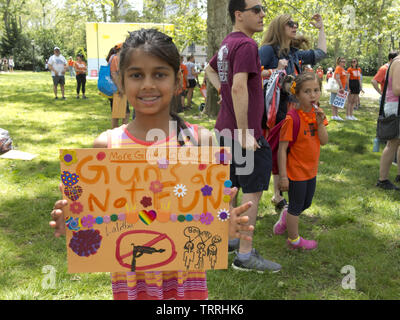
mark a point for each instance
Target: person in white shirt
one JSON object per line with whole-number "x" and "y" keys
{"x": 11, "y": 64}
{"x": 192, "y": 74}
{"x": 58, "y": 65}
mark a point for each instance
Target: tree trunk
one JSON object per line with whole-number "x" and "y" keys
{"x": 337, "y": 50}
{"x": 115, "y": 11}
{"x": 381, "y": 37}
{"x": 218, "y": 26}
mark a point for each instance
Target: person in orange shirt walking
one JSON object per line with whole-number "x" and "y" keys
{"x": 71, "y": 67}
{"x": 340, "y": 75}
{"x": 298, "y": 168}
{"x": 184, "y": 83}
{"x": 355, "y": 86}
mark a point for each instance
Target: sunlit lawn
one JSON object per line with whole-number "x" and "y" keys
{"x": 355, "y": 223}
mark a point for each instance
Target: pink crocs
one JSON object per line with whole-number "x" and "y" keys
{"x": 303, "y": 244}
{"x": 280, "y": 226}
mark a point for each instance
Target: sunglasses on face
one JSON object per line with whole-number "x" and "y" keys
{"x": 292, "y": 24}
{"x": 256, "y": 9}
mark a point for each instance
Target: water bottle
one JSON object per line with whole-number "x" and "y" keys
{"x": 375, "y": 148}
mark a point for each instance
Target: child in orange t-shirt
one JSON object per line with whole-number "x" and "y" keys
{"x": 298, "y": 168}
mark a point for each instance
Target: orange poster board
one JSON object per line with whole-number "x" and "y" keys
{"x": 139, "y": 209}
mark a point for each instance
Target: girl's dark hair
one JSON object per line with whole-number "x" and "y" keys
{"x": 306, "y": 76}
{"x": 235, "y": 5}
{"x": 110, "y": 53}
{"x": 287, "y": 79}
{"x": 157, "y": 44}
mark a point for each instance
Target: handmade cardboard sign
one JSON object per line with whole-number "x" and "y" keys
{"x": 139, "y": 209}
{"x": 340, "y": 100}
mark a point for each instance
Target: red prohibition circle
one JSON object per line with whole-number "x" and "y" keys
{"x": 160, "y": 236}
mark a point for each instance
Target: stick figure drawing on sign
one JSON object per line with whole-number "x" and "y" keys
{"x": 188, "y": 256}
{"x": 200, "y": 254}
{"x": 212, "y": 250}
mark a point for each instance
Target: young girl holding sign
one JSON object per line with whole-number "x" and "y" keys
{"x": 298, "y": 168}
{"x": 340, "y": 75}
{"x": 149, "y": 75}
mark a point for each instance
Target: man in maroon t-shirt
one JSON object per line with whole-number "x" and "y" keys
{"x": 236, "y": 72}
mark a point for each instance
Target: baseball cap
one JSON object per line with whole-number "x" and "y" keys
{"x": 56, "y": 48}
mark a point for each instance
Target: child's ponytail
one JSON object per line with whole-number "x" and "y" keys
{"x": 183, "y": 133}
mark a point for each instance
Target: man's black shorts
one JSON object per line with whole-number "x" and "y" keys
{"x": 58, "y": 80}
{"x": 258, "y": 179}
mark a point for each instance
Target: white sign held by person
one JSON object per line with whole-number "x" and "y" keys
{"x": 340, "y": 99}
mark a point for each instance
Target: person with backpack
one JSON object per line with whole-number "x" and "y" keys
{"x": 117, "y": 99}
{"x": 298, "y": 166}
{"x": 235, "y": 71}
{"x": 391, "y": 105}
{"x": 280, "y": 50}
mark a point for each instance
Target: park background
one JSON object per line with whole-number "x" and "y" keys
{"x": 356, "y": 224}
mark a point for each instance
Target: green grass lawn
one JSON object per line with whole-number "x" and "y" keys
{"x": 355, "y": 223}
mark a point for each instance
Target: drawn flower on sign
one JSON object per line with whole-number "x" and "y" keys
{"x": 206, "y": 190}
{"x": 156, "y": 186}
{"x": 76, "y": 207}
{"x": 88, "y": 221}
{"x": 206, "y": 218}
{"x": 68, "y": 157}
{"x": 223, "y": 157}
{"x": 72, "y": 223}
{"x": 85, "y": 242}
{"x": 100, "y": 156}
{"x": 223, "y": 215}
{"x": 180, "y": 190}
{"x": 146, "y": 202}
{"x": 202, "y": 166}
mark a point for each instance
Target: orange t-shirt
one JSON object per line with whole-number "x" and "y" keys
{"x": 185, "y": 72}
{"x": 355, "y": 74}
{"x": 71, "y": 63}
{"x": 303, "y": 158}
{"x": 380, "y": 76}
{"x": 80, "y": 67}
{"x": 343, "y": 75}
